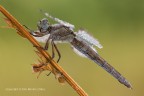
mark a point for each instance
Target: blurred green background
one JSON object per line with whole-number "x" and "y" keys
{"x": 117, "y": 24}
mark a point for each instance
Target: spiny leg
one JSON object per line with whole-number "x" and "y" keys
{"x": 35, "y": 34}
{"x": 53, "y": 53}
{"x": 47, "y": 44}
{"x": 57, "y": 51}
{"x": 26, "y": 27}
{"x": 31, "y": 31}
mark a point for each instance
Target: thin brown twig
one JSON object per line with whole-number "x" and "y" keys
{"x": 27, "y": 35}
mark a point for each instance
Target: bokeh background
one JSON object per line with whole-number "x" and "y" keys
{"x": 117, "y": 24}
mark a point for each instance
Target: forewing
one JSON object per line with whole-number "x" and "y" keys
{"x": 71, "y": 26}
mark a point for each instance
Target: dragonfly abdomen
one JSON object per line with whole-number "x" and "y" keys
{"x": 91, "y": 54}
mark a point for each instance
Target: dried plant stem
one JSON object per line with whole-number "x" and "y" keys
{"x": 27, "y": 35}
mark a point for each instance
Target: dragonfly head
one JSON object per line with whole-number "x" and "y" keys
{"x": 43, "y": 25}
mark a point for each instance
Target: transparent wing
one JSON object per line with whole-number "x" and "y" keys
{"x": 88, "y": 39}
{"x": 81, "y": 54}
{"x": 84, "y": 36}
{"x": 42, "y": 39}
{"x": 60, "y": 21}
{"x": 78, "y": 52}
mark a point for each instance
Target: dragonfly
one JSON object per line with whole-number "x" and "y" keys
{"x": 82, "y": 43}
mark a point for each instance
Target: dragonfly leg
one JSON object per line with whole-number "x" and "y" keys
{"x": 31, "y": 31}
{"x": 57, "y": 52}
{"x": 34, "y": 33}
{"x": 47, "y": 44}
{"x": 53, "y": 53}
{"x": 26, "y": 27}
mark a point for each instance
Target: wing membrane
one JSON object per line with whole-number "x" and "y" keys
{"x": 84, "y": 36}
